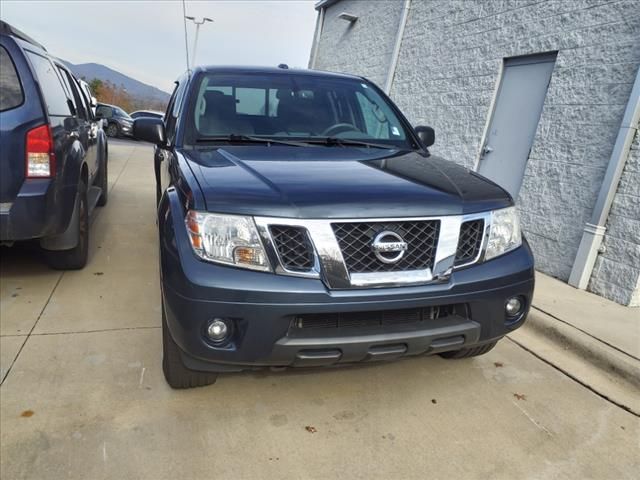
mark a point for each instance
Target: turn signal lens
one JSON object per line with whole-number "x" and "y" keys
{"x": 247, "y": 255}
{"x": 193, "y": 229}
{"x": 40, "y": 159}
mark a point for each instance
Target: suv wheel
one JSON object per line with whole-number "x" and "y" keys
{"x": 74, "y": 258}
{"x": 112, "y": 130}
{"x": 469, "y": 352}
{"x": 103, "y": 182}
{"x": 177, "y": 375}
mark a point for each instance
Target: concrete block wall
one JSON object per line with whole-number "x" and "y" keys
{"x": 635, "y": 296}
{"x": 447, "y": 73}
{"x": 616, "y": 274}
{"x": 364, "y": 47}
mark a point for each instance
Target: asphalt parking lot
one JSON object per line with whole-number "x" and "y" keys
{"x": 83, "y": 396}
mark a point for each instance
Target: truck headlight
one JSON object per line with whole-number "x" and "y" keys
{"x": 227, "y": 239}
{"x": 504, "y": 234}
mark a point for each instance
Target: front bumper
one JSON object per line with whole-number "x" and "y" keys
{"x": 264, "y": 306}
{"x": 126, "y": 130}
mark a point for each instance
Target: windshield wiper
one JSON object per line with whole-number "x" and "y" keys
{"x": 349, "y": 142}
{"x": 235, "y": 138}
{"x": 314, "y": 141}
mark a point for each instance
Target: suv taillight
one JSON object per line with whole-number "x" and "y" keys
{"x": 40, "y": 159}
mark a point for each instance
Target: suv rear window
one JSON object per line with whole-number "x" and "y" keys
{"x": 10, "y": 89}
{"x": 52, "y": 90}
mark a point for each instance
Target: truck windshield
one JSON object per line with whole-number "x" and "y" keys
{"x": 293, "y": 107}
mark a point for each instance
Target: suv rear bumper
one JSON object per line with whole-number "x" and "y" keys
{"x": 35, "y": 212}
{"x": 262, "y": 308}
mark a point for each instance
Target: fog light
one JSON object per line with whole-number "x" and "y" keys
{"x": 513, "y": 307}
{"x": 217, "y": 330}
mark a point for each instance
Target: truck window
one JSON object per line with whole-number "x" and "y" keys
{"x": 251, "y": 101}
{"x": 71, "y": 93}
{"x": 52, "y": 90}
{"x": 11, "y": 94}
{"x": 77, "y": 97}
{"x": 80, "y": 97}
{"x": 375, "y": 121}
{"x": 171, "y": 118}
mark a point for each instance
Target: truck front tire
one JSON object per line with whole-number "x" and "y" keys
{"x": 469, "y": 352}
{"x": 177, "y": 375}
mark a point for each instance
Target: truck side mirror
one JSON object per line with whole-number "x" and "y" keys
{"x": 150, "y": 130}
{"x": 427, "y": 135}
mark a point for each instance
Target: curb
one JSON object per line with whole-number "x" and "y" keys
{"x": 604, "y": 369}
{"x": 598, "y": 353}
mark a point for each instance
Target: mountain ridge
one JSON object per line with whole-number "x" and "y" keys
{"x": 135, "y": 88}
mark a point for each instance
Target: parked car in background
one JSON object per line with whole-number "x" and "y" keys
{"x": 117, "y": 122}
{"x": 146, "y": 113}
{"x": 304, "y": 222}
{"x": 53, "y": 154}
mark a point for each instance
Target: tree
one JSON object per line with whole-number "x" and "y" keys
{"x": 107, "y": 92}
{"x": 96, "y": 87}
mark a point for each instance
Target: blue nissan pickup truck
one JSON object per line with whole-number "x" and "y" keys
{"x": 53, "y": 152}
{"x": 303, "y": 222}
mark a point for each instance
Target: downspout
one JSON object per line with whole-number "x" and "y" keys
{"x": 396, "y": 48}
{"x": 316, "y": 37}
{"x": 594, "y": 230}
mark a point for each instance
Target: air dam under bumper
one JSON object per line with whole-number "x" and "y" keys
{"x": 263, "y": 307}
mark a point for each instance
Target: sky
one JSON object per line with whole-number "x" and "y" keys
{"x": 145, "y": 39}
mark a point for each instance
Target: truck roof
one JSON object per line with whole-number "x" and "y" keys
{"x": 243, "y": 69}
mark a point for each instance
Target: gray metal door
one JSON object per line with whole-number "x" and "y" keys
{"x": 515, "y": 119}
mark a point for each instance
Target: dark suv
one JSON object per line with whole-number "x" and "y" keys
{"x": 117, "y": 122}
{"x": 303, "y": 222}
{"x": 53, "y": 153}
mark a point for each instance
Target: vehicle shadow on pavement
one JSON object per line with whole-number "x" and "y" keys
{"x": 24, "y": 258}
{"x": 293, "y": 372}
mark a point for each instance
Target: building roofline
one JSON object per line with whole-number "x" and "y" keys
{"x": 325, "y": 4}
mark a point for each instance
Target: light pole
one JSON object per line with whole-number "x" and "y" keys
{"x": 195, "y": 41}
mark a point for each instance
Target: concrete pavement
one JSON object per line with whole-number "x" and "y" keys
{"x": 83, "y": 394}
{"x": 591, "y": 339}
{"x": 613, "y": 324}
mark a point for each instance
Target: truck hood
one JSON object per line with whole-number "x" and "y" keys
{"x": 335, "y": 182}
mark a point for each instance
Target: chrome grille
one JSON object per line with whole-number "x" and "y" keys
{"x": 294, "y": 248}
{"x": 470, "y": 241}
{"x": 355, "y": 240}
